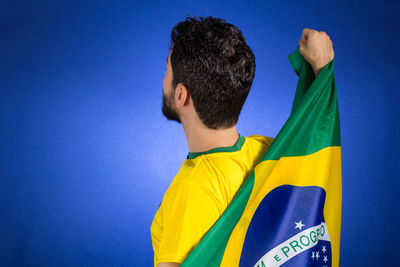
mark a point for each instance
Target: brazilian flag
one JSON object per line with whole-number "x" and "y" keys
{"x": 288, "y": 211}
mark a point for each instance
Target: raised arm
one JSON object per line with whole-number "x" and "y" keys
{"x": 316, "y": 48}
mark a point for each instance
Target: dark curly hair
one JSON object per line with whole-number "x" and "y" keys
{"x": 212, "y": 59}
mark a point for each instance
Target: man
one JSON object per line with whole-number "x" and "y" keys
{"x": 210, "y": 69}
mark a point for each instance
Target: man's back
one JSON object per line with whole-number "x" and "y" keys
{"x": 198, "y": 195}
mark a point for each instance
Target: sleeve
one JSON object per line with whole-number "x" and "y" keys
{"x": 189, "y": 211}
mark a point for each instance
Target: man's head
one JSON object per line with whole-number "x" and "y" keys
{"x": 210, "y": 64}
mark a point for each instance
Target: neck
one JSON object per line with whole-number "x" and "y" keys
{"x": 200, "y": 138}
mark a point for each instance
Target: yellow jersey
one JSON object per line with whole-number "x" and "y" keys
{"x": 199, "y": 194}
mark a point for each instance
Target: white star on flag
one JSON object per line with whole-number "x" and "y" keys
{"x": 313, "y": 255}
{"x": 324, "y": 249}
{"x": 299, "y": 225}
{"x": 317, "y": 255}
{"x": 325, "y": 259}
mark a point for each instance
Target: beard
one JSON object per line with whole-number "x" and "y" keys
{"x": 168, "y": 109}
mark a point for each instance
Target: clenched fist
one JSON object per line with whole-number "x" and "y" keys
{"x": 316, "y": 48}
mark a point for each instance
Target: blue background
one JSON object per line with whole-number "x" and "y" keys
{"x": 86, "y": 154}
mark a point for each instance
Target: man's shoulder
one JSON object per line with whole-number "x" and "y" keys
{"x": 210, "y": 165}
{"x": 216, "y": 164}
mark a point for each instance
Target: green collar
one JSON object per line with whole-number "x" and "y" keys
{"x": 235, "y": 147}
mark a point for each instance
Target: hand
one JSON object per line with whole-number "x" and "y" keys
{"x": 316, "y": 48}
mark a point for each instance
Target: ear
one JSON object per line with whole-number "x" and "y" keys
{"x": 182, "y": 95}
